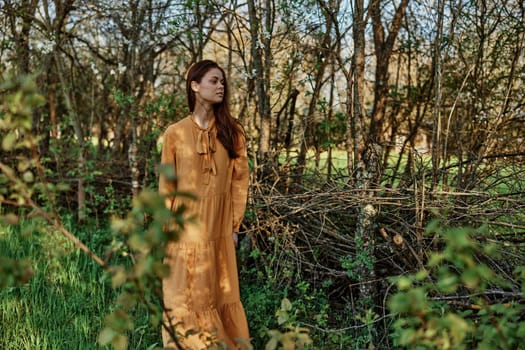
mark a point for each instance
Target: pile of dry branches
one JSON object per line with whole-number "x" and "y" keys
{"x": 310, "y": 232}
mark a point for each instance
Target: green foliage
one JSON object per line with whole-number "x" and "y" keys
{"x": 290, "y": 336}
{"x": 18, "y": 97}
{"x": 141, "y": 235}
{"x": 332, "y": 133}
{"x": 123, "y": 99}
{"x": 260, "y": 299}
{"x": 312, "y": 303}
{"x": 64, "y": 303}
{"x": 362, "y": 259}
{"x": 428, "y": 320}
{"x": 109, "y": 201}
{"x": 264, "y": 292}
{"x": 14, "y": 272}
{"x": 135, "y": 271}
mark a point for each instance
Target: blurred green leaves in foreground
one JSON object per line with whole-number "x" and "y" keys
{"x": 457, "y": 301}
{"x": 134, "y": 259}
{"x": 19, "y": 97}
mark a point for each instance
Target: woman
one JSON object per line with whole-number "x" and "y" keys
{"x": 207, "y": 151}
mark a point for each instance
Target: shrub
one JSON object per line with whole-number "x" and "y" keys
{"x": 451, "y": 303}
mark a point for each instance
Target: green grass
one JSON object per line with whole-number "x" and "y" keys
{"x": 64, "y": 304}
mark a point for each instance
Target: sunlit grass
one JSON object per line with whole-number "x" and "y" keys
{"x": 63, "y": 306}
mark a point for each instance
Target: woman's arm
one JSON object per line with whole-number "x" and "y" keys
{"x": 240, "y": 180}
{"x": 167, "y": 184}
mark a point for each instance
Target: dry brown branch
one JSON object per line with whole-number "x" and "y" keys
{"x": 51, "y": 219}
{"x": 312, "y": 231}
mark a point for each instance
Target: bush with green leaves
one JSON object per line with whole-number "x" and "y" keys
{"x": 451, "y": 303}
{"x": 141, "y": 235}
{"x": 17, "y": 177}
{"x": 290, "y": 336}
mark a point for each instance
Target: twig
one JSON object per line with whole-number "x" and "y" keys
{"x": 51, "y": 219}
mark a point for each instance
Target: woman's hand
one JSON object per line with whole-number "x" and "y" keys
{"x": 235, "y": 239}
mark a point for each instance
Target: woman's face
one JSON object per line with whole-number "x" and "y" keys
{"x": 211, "y": 87}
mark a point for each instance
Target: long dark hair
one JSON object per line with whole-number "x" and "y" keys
{"x": 228, "y": 129}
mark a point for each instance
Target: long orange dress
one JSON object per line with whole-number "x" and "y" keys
{"x": 202, "y": 290}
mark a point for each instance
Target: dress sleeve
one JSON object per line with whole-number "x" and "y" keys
{"x": 240, "y": 180}
{"x": 167, "y": 184}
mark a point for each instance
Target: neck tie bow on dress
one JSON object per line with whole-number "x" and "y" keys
{"x": 206, "y": 148}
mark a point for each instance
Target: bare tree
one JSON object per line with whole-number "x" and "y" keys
{"x": 384, "y": 43}
{"x": 323, "y": 57}
{"x": 437, "y": 125}
{"x": 20, "y": 16}
{"x": 261, "y": 28}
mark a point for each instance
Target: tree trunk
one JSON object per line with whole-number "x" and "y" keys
{"x": 357, "y": 126}
{"x": 436, "y": 131}
{"x": 362, "y": 171}
{"x": 75, "y": 120}
{"x": 21, "y": 16}
{"x": 329, "y": 119}
{"x": 261, "y": 70}
{"x": 291, "y": 122}
{"x": 383, "y": 47}
{"x": 58, "y": 23}
{"x": 309, "y": 122}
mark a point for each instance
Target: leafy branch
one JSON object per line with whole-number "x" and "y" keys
{"x": 141, "y": 236}
{"x": 427, "y": 320}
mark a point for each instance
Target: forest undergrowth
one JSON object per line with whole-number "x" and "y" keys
{"x": 451, "y": 279}
{"x": 445, "y": 266}
{"x": 462, "y": 251}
